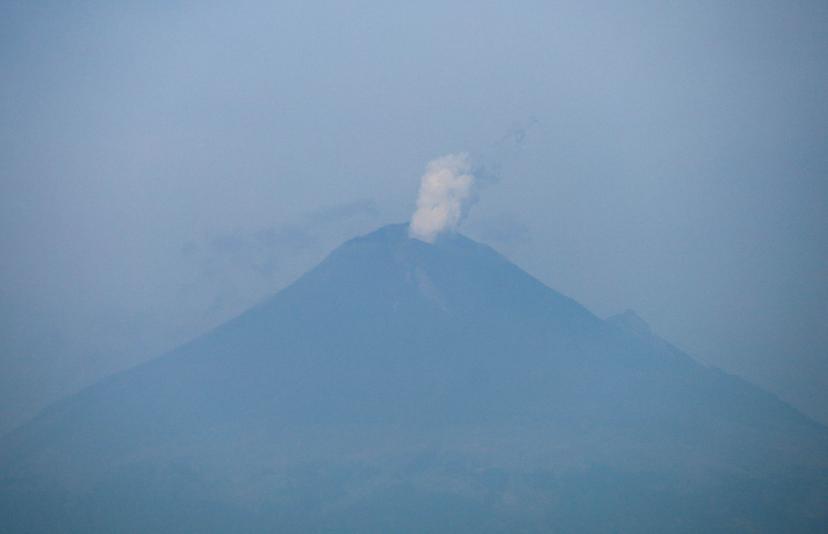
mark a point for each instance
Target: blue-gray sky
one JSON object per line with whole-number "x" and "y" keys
{"x": 166, "y": 164}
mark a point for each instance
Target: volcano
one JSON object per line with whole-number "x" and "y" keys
{"x": 402, "y": 386}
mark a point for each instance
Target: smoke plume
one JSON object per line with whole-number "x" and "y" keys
{"x": 445, "y": 194}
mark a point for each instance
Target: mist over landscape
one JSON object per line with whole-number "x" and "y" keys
{"x": 363, "y": 267}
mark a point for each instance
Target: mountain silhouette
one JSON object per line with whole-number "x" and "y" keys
{"x": 401, "y": 386}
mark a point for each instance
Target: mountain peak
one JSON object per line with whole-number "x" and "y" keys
{"x": 387, "y": 267}
{"x": 389, "y": 233}
{"x": 397, "y": 234}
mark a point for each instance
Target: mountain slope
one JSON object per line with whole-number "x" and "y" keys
{"x": 406, "y": 386}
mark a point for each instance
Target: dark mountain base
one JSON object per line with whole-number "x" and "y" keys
{"x": 392, "y": 479}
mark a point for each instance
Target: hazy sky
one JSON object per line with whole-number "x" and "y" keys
{"x": 166, "y": 164}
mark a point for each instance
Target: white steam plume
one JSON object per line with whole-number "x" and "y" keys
{"x": 445, "y": 194}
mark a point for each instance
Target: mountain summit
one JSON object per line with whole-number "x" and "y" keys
{"x": 426, "y": 387}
